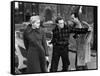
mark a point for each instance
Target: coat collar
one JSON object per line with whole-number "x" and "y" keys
{"x": 30, "y": 29}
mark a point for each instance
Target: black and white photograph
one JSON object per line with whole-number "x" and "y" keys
{"x": 53, "y": 37}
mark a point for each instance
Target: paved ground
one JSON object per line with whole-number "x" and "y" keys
{"x": 91, "y": 65}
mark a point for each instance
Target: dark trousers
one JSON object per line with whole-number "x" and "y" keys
{"x": 59, "y": 51}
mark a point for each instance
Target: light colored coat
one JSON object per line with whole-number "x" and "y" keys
{"x": 83, "y": 48}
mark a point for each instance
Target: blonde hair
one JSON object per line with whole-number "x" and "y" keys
{"x": 34, "y": 18}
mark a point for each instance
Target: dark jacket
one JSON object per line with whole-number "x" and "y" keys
{"x": 61, "y": 36}
{"x": 35, "y": 43}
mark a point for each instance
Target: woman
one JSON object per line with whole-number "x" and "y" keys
{"x": 35, "y": 43}
{"x": 83, "y": 51}
{"x": 83, "y": 47}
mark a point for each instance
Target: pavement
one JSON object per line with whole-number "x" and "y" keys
{"x": 72, "y": 55}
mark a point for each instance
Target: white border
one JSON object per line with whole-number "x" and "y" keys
{"x": 5, "y": 37}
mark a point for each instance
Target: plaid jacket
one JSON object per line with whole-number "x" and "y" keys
{"x": 61, "y": 36}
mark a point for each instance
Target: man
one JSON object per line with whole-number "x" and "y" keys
{"x": 60, "y": 46}
{"x": 60, "y": 42}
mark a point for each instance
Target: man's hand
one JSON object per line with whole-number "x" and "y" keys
{"x": 78, "y": 23}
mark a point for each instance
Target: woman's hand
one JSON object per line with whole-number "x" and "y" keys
{"x": 47, "y": 58}
{"x": 90, "y": 26}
